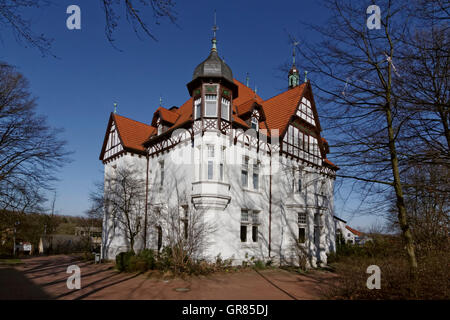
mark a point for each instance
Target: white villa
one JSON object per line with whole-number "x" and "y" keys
{"x": 256, "y": 170}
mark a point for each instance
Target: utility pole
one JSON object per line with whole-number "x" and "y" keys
{"x": 14, "y": 237}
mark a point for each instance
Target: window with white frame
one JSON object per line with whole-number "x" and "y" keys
{"x": 244, "y": 171}
{"x": 299, "y": 184}
{"x": 244, "y": 215}
{"x": 244, "y": 223}
{"x": 247, "y": 223}
{"x": 301, "y": 216}
{"x": 225, "y": 109}
{"x": 211, "y": 105}
{"x": 255, "y": 123}
{"x": 210, "y": 151}
{"x": 159, "y": 126}
{"x": 210, "y": 162}
{"x": 198, "y": 108}
{"x": 317, "y": 226}
{"x": 161, "y": 165}
{"x": 256, "y": 175}
{"x": 305, "y": 111}
{"x": 255, "y": 233}
{"x": 302, "y": 223}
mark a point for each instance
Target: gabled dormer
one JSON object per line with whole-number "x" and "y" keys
{"x": 163, "y": 119}
{"x": 252, "y": 113}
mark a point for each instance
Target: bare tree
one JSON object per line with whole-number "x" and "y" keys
{"x": 124, "y": 201}
{"x": 30, "y": 151}
{"x": 354, "y": 68}
{"x": 187, "y": 230}
{"x": 426, "y": 193}
{"x": 425, "y": 94}
{"x": 137, "y": 12}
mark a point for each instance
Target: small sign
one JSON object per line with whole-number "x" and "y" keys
{"x": 27, "y": 247}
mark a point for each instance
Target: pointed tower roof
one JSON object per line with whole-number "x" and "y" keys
{"x": 213, "y": 68}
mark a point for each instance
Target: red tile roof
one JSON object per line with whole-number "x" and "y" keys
{"x": 355, "y": 232}
{"x": 280, "y": 108}
{"x": 278, "y": 111}
{"x": 167, "y": 115}
{"x": 132, "y": 133}
{"x": 245, "y": 94}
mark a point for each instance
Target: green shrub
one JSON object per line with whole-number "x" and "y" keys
{"x": 165, "y": 259}
{"x": 147, "y": 257}
{"x": 123, "y": 260}
{"x": 259, "y": 264}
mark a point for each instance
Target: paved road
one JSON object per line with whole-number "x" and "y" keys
{"x": 46, "y": 277}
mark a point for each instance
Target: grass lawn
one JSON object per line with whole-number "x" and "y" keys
{"x": 10, "y": 261}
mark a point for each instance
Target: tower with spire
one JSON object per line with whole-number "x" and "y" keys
{"x": 212, "y": 87}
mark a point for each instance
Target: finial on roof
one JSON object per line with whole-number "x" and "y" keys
{"x": 294, "y": 44}
{"x": 306, "y": 76}
{"x": 256, "y": 89}
{"x": 214, "y": 29}
{"x": 160, "y": 101}
{"x": 246, "y": 79}
{"x": 115, "y": 107}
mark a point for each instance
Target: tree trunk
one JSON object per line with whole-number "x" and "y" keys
{"x": 402, "y": 218}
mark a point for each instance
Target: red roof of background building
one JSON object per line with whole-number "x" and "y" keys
{"x": 355, "y": 232}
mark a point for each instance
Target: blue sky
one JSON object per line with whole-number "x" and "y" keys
{"x": 76, "y": 90}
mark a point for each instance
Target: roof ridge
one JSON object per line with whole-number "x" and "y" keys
{"x": 288, "y": 90}
{"x": 148, "y": 125}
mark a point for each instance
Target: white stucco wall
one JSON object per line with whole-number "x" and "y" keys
{"x": 220, "y": 201}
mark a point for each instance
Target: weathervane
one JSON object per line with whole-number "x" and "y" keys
{"x": 214, "y": 29}
{"x": 160, "y": 101}
{"x": 294, "y": 44}
{"x": 115, "y": 107}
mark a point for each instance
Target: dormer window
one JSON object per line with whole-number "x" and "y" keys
{"x": 211, "y": 105}
{"x": 255, "y": 123}
{"x": 198, "y": 108}
{"x": 225, "y": 109}
{"x": 159, "y": 126}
